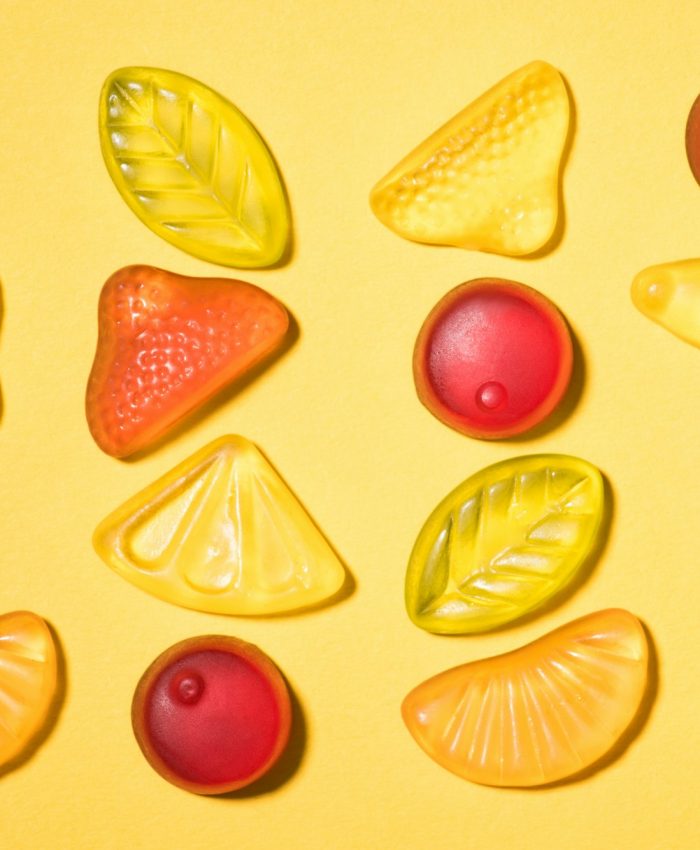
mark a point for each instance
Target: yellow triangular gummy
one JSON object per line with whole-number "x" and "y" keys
{"x": 488, "y": 179}
{"x": 221, "y": 532}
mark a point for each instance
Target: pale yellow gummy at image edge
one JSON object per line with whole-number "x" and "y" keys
{"x": 193, "y": 168}
{"x": 488, "y": 179}
{"x": 222, "y": 533}
{"x": 503, "y": 542}
{"x": 669, "y": 294}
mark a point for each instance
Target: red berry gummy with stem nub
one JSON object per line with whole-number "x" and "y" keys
{"x": 212, "y": 714}
{"x": 493, "y": 358}
{"x": 167, "y": 343}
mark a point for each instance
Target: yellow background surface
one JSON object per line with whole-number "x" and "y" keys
{"x": 342, "y": 90}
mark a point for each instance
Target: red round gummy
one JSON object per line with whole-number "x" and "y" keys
{"x": 212, "y": 714}
{"x": 493, "y": 358}
{"x": 692, "y": 139}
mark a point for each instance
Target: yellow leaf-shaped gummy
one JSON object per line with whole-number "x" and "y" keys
{"x": 221, "y": 533}
{"x": 488, "y": 179}
{"x": 540, "y": 713}
{"x": 28, "y": 673}
{"x": 193, "y": 168}
{"x": 669, "y": 294}
{"x": 503, "y": 542}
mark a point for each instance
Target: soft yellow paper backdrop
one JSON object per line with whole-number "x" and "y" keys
{"x": 342, "y": 90}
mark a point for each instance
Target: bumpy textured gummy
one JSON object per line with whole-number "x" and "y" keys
{"x": 28, "y": 673}
{"x": 193, "y": 168}
{"x": 488, "y": 179}
{"x": 166, "y": 344}
{"x": 212, "y": 714}
{"x": 538, "y": 714}
{"x": 493, "y": 358}
{"x": 504, "y": 542}
{"x": 669, "y": 294}
{"x": 221, "y": 533}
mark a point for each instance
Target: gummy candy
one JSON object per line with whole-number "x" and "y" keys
{"x": 212, "y": 714}
{"x": 167, "y": 343}
{"x": 28, "y": 673}
{"x": 488, "y": 179}
{"x": 493, "y": 358}
{"x": 692, "y": 139}
{"x": 538, "y": 714}
{"x": 221, "y": 533}
{"x": 504, "y": 542}
{"x": 669, "y": 294}
{"x": 193, "y": 168}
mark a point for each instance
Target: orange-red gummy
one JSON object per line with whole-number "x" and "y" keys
{"x": 167, "y": 343}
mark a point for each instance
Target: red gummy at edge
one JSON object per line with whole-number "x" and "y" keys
{"x": 493, "y": 358}
{"x": 212, "y": 714}
{"x": 692, "y": 139}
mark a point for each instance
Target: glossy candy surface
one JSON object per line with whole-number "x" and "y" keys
{"x": 504, "y": 542}
{"x": 166, "y": 344}
{"x": 28, "y": 674}
{"x": 692, "y": 139}
{"x": 488, "y": 179}
{"x": 221, "y": 533}
{"x": 193, "y": 168}
{"x": 212, "y": 714}
{"x": 538, "y": 714}
{"x": 669, "y": 294}
{"x": 493, "y": 358}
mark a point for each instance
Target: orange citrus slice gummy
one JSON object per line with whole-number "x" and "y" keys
{"x": 488, "y": 179}
{"x": 222, "y": 533}
{"x": 540, "y": 713}
{"x": 28, "y": 672}
{"x": 669, "y": 294}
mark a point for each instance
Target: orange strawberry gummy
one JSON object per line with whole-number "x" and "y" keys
{"x": 166, "y": 344}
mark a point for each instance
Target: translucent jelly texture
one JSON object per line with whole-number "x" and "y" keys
{"x": 166, "y": 344}
{"x": 669, "y": 294}
{"x": 692, "y": 139}
{"x": 503, "y": 543}
{"x": 221, "y": 533}
{"x": 193, "y": 168}
{"x": 28, "y": 674}
{"x": 212, "y": 714}
{"x": 540, "y": 713}
{"x": 488, "y": 179}
{"x": 493, "y": 358}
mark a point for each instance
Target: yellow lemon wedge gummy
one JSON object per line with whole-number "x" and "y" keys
{"x": 505, "y": 541}
{"x": 28, "y": 675}
{"x": 222, "y": 533}
{"x": 488, "y": 179}
{"x": 193, "y": 168}
{"x": 538, "y": 714}
{"x": 669, "y": 294}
